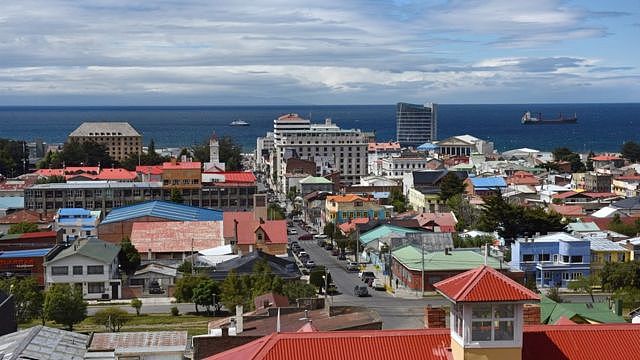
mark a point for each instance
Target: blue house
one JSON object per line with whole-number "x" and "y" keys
{"x": 554, "y": 259}
{"x": 485, "y": 186}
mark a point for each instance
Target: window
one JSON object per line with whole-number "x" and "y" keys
{"x": 547, "y": 275}
{"x": 527, "y": 257}
{"x": 576, "y": 259}
{"x": 565, "y": 259}
{"x": 59, "y": 270}
{"x": 77, "y": 270}
{"x": 95, "y": 288}
{"x": 565, "y": 276}
{"x": 621, "y": 257}
{"x": 95, "y": 269}
{"x": 492, "y": 322}
{"x": 576, "y": 276}
{"x": 544, "y": 257}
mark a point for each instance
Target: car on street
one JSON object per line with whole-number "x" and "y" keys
{"x": 328, "y": 246}
{"x": 292, "y": 231}
{"x": 310, "y": 264}
{"x": 342, "y": 256}
{"x": 335, "y": 252}
{"x": 352, "y": 266}
{"x": 295, "y": 243}
{"x": 378, "y": 284}
{"x": 366, "y": 275}
{"x": 360, "y": 290}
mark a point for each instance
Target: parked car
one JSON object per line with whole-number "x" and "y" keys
{"x": 378, "y": 284}
{"x": 292, "y": 231}
{"x": 295, "y": 243}
{"x": 342, "y": 256}
{"x": 310, "y": 264}
{"x": 335, "y": 252}
{"x": 302, "y": 254}
{"x": 360, "y": 290}
{"x": 328, "y": 246}
{"x": 366, "y": 275}
{"x": 352, "y": 266}
{"x": 155, "y": 288}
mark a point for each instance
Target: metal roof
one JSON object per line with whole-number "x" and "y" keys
{"x": 132, "y": 342}
{"x": 43, "y": 343}
{"x": 98, "y": 185}
{"x": 12, "y": 202}
{"x": 74, "y": 212}
{"x": 92, "y": 248}
{"x": 384, "y": 231}
{"x": 488, "y": 182}
{"x": 24, "y": 253}
{"x": 459, "y": 259}
{"x": 162, "y": 209}
{"x": 600, "y": 244}
{"x": 315, "y": 180}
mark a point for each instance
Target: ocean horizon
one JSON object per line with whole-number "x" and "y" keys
{"x": 600, "y": 127}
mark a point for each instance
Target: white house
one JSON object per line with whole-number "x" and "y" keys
{"x": 76, "y": 223}
{"x": 91, "y": 264}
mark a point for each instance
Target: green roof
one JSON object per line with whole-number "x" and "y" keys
{"x": 583, "y": 227}
{"x": 93, "y": 248}
{"x": 385, "y": 231}
{"x": 315, "y": 180}
{"x": 458, "y": 259}
{"x": 551, "y": 311}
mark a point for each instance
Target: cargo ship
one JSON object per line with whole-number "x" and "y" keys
{"x": 527, "y": 119}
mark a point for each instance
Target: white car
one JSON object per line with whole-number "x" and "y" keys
{"x": 293, "y": 232}
{"x": 378, "y": 284}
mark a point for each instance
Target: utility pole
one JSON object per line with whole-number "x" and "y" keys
{"x": 422, "y": 265}
{"x": 357, "y": 245}
{"x": 192, "y": 262}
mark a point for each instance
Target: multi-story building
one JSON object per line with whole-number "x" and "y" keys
{"x": 181, "y": 175}
{"x": 397, "y": 166}
{"x": 626, "y": 185}
{"x": 379, "y": 151}
{"x": 606, "y": 251}
{"x": 553, "y": 260}
{"x": 264, "y": 149}
{"x": 342, "y": 208}
{"x": 416, "y": 124}
{"x": 90, "y": 264}
{"x": 330, "y": 147}
{"x": 120, "y": 138}
{"x": 598, "y": 182}
{"x": 76, "y": 223}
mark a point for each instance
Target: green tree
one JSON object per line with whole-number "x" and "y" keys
{"x": 275, "y": 212}
{"x": 467, "y": 215}
{"x": 316, "y": 277}
{"x": 203, "y": 294}
{"x": 398, "y": 201}
{"x": 584, "y": 285}
{"x": 136, "y": 304}
{"x": 298, "y": 290}
{"x": 230, "y": 153}
{"x": 631, "y": 151}
{"x": 151, "y": 157}
{"x": 64, "y": 304}
{"x": 51, "y": 160}
{"x": 23, "y": 227}
{"x": 184, "y": 287}
{"x": 28, "y": 297}
{"x": 617, "y": 225}
{"x": 620, "y": 275}
{"x": 565, "y": 154}
{"x": 186, "y": 267}
{"x": 330, "y": 230}
{"x": 13, "y": 158}
{"x": 128, "y": 257}
{"x": 451, "y": 185}
{"x": 113, "y": 318}
{"x": 589, "y": 163}
{"x": 233, "y": 291}
{"x": 176, "y": 196}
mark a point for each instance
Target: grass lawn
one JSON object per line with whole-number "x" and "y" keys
{"x": 193, "y": 324}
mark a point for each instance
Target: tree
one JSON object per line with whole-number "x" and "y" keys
{"x": 128, "y": 257}
{"x": 13, "y": 157}
{"x": 617, "y": 225}
{"x": 230, "y": 153}
{"x": 451, "y": 185}
{"x": 330, "y": 230}
{"x": 51, "y": 160}
{"x": 398, "y": 201}
{"x": 113, "y": 318}
{"x": 27, "y": 295}
{"x": 565, "y": 154}
{"x": 203, "y": 294}
{"x": 471, "y": 242}
{"x": 184, "y": 287}
{"x": 298, "y": 290}
{"x": 136, "y": 304}
{"x": 55, "y": 179}
{"x": 233, "y": 291}
{"x": 176, "y": 196}
{"x": 316, "y": 277}
{"x": 64, "y": 304}
{"x": 23, "y": 227}
{"x": 631, "y": 151}
{"x": 589, "y": 163}
{"x": 554, "y": 294}
{"x": 186, "y": 267}
{"x": 585, "y": 285}
{"x": 275, "y": 212}
{"x": 467, "y": 215}
{"x": 150, "y": 158}
{"x": 620, "y": 275}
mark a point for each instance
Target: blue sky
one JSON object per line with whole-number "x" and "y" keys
{"x": 172, "y": 52}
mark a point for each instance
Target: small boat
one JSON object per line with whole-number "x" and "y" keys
{"x": 527, "y": 119}
{"x": 239, "y": 123}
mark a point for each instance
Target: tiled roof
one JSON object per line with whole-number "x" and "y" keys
{"x": 446, "y": 221}
{"x": 148, "y": 341}
{"x": 483, "y": 284}
{"x": 291, "y": 117}
{"x": 193, "y": 165}
{"x": 568, "y": 210}
{"x": 276, "y": 230}
{"x": 350, "y": 225}
{"x": 31, "y": 235}
{"x": 176, "y": 236}
{"x": 605, "y": 158}
{"x": 92, "y": 248}
{"x": 27, "y": 216}
{"x": 116, "y": 174}
{"x": 162, "y": 209}
{"x": 239, "y": 177}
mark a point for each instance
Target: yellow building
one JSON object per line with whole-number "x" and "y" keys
{"x": 425, "y": 202}
{"x": 120, "y": 138}
{"x": 342, "y": 208}
{"x": 604, "y": 251}
{"x": 181, "y": 175}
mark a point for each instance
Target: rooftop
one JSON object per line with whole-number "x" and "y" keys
{"x": 458, "y": 259}
{"x": 600, "y": 244}
{"x": 186, "y": 165}
{"x": 41, "y": 342}
{"x": 162, "y": 209}
{"x": 148, "y": 341}
{"x": 176, "y": 236}
{"x": 105, "y": 129}
{"x": 92, "y": 248}
{"x": 275, "y": 230}
{"x": 384, "y": 231}
{"x": 24, "y": 253}
{"x": 315, "y": 180}
{"x": 488, "y": 182}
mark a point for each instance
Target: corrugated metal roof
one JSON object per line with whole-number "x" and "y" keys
{"x": 74, "y": 212}
{"x": 156, "y": 341}
{"x": 488, "y": 182}
{"x": 483, "y": 284}
{"x": 92, "y": 248}
{"x": 385, "y": 231}
{"x": 600, "y": 244}
{"x": 458, "y": 259}
{"x": 176, "y": 236}
{"x": 43, "y": 343}
{"x": 24, "y": 253}
{"x": 162, "y": 209}
{"x": 12, "y": 202}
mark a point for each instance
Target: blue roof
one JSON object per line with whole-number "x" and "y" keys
{"x": 12, "y": 202}
{"x": 488, "y": 182}
{"x": 381, "y": 194}
{"x": 24, "y": 253}
{"x": 427, "y": 146}
{"x": 73, "y": 212}
{"x": 162, "y": 209}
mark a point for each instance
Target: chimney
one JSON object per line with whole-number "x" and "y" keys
{"x": 149, "y": 254}
{"x": 531, "y": 314}
{"x": 434, "y": 318}
{"x": 239, "y": 319}
{"x": 174, "y": 161}
{"x": 262, "y": 221}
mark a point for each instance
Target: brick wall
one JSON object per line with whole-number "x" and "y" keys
{"x": 531, "y": 314}
{"x": 435, "y": 317}
{"x": 206, "y": 346}
{"x": 130, "y": 292}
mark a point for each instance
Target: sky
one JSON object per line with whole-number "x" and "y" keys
{"x": 196, "y": 52}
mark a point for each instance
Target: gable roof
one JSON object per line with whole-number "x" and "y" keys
{"x": 632, "y": 203}
{"x": 275, "y": 230}
{"x": 282, "y": 267}
{"x": 27, "y": 216}
{"x": 147, "y": 341}
{"x": 347, "y": 198}
{"x": 551, "y": 312}
{"x": 384, "y": 231}
{"x": 162, "y": 209}
{"x": 92, "y": 248}
{"x": 315, "y": 180}
{"x": 483, "y": 284}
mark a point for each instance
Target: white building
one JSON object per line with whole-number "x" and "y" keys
{"x": 264, "y": 148}
{"x": 214, "y": 163}
{"x": 90, "y": 264}
{"x": 464, "y": 145}
{"x": 330, "y": 147}
{"x": 397, "y": 166}
{"x": 379, "y": 151}
{"x": 76, "y": 223}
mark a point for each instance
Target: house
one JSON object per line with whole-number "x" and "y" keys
{"x": 552, "y": 260}
{"x": 28, "y": 241}
{"x": 117, "y": 225}
{"x": 523, "y": 178}
{"x": 341, "y": 208}
{"x": 313, "y": 206}
{"x": 43, "y": 342}
{"x": 91, "y": 264}
{"x": 626, "y": 185}
{"x": 628, "y": 206}
{"x": 597, "y": 182}
{"x": 485, "y": 186}
{"x": 248, "y": 232}
{"x": 315, "y": 183}
{"x": 408, "y": 265}
{"x": 228, "y": 190}
{"x": 422, "y": 188}
{"x": 181, "y": 175}
{"x": 169, "y": 345}
{"x": 285, "y": 268}
{"x": 148, "y": 173}
{"x": 478, "y": 299}
{"x": 153, "y": 272}
{"x": 381, "y": 235}
{"x": 23, "y": 263}
{"x": 605, "y": 251}
{"x": 43, "y": 220}
{"x": 7, "y": 314}
{"x": 437, "y": 221}
{"x": 606, "y": 163}
{"x": 76, "y": 223}
{"x": 579, "y": 228}
{"x": 578, "y": 312}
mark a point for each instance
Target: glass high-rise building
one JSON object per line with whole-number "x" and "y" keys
{"x": 416, "y": 124}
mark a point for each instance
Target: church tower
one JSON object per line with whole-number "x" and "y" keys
{"x": 214, "y": 149}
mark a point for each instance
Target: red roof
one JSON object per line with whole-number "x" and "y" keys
{"x": 27, "y": 216}
{"x": 446, "y": 221}
{"x": 275, "y": 230}
{"x": 349, "y": 226}
{"x": 484, "y": 284}
{"x": 176, "y": 236}
{"x": 566, "y": 342}
{"x": 193, "y": 165}
{"x": 235, "y": 176}
{"x": 149, "y": 169}
{"x": 603, "y": 223}
{"x": 566, "y": 194}
{"x": 117, "y": 174}
{"x": 568, "y": 210}
{"x": 523, "y": 178}
{"x": 50, "y": 172}
{"x": 605, "y": 158}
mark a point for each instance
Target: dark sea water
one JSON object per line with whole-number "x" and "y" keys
{"x": 601, "y": 127}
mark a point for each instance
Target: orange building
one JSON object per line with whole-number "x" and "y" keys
{"x": 181, "y": 175}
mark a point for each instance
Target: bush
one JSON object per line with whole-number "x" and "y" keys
{"x": 175, "y": 311}
{"x": 113, "y": 318}
{"x": 136, "y": 304}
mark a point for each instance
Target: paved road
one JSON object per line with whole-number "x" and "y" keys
{"x": 396, "y": 313}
